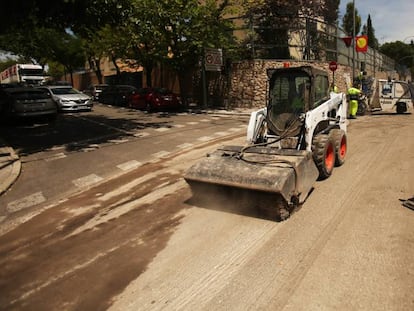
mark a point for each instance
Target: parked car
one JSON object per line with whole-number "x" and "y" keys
{"x": 24, "y": 102}
{"x": 117, "y": 95}
{"x": 95, "y": 90}
{"x": 67, "y": 98}
{"x": 155, "y": 99}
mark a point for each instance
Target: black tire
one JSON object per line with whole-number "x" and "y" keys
{"x": 323, "y": 149}
{"x": 401, "y": 108}
{"x": 362, "y": 108}
{"x": 341, "y": 146}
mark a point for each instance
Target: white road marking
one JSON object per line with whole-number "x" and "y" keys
{"x": 161, "y": 154}
{"x": 205, "y": 138}
{"x": 179, "y": 125}
{"x": 192, "y": 123}
{"x": 31, "y": 200}
{"x": 205, "y": 120}
{"x": 162, "y": 129}
{"x": 221, "y": 133}
{"x": 129, "y": 165}
{"x": 186, "y": 145}
{"x": 118, "y": 141}
{"x": 234, "y": 129}
{"x": 56, "y": 156}
{"x": 87, "y": 180}
{"x": 88, "y": 149}
{"x": 55, "y": 148}
{"x": 143, "y": 134}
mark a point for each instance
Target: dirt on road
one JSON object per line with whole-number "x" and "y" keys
{"x": 139, "y": 242}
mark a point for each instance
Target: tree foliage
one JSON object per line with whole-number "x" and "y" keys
{"x": 330, "y": 11}
{"x": 402, "y": 53}
{"x": 348, "y": 20}
{"x": 273, "y": 21}
{"x": 147, "y": 30}
{"x": 370, "y": 32}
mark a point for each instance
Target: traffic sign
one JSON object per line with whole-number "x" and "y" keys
{"x": 213, "y": 60}
{"x": 333, "y": 66}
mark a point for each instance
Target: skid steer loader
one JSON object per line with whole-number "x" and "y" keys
{"x": 296, "y": 139}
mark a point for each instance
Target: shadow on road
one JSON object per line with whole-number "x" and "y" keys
{"x": 77, "y": 130}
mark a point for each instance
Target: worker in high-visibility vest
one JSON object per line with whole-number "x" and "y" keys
{"x": 353, "y": 93}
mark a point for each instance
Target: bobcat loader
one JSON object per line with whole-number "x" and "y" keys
{"x": 298, "y": 138}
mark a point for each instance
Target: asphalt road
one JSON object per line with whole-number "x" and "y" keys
{"x": 82, "y": 149}
{"x": 138, "y": 241}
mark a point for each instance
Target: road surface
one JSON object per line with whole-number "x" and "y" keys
{"x": 138, "y": 241}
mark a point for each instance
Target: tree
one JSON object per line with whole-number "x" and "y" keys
{"x": 348, "y": 20}
{"x": 274, "y": 21}
{"x": 330, "y": 11}
{"x": 63, "y": 48}
{"x": 21, "y": 29}
{"x": 100, "y": 27}
{"x": 26, "y": 15}
{"x": 402, "y": 53}
{"x": 372, "y": 40}
{"x": 175, "y": 33}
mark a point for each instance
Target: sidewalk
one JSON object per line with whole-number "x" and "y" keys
{"x": 10, "y": 166}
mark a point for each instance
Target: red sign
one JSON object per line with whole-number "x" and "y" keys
{"x": 347, "y": 41}
{"x": 362, "y": 44}
{"x": 333, "y": 66}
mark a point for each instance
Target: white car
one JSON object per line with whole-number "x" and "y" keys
{"x": 69, "y": 99}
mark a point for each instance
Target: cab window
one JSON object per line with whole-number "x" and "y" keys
{"x": 321, "y": 90}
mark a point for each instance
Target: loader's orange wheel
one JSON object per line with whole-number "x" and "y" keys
{"x": 323, "y": 149}
{"x": 330, "y": 157}
{"x": 340, "y": 141}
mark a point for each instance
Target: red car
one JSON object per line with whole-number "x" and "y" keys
{"x": 152, "y": 99}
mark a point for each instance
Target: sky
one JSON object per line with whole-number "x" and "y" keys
{"x": 392, "y": 20}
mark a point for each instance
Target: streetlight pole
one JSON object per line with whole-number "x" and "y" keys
{"x": 353, "y": 41}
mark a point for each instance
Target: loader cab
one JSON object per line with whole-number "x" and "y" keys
{"x": 289, "y": 92}
{"x": 293, "y": 92}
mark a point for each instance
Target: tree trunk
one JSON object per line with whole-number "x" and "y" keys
{"x": 118, "y": 72}
{"x": 94, "y": 64}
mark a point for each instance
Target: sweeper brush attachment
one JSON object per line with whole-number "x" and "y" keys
{"x": 271, "y": 179}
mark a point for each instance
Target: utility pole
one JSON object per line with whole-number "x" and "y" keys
{"x": 353, "y": 41}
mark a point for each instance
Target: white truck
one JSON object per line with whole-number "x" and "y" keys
{"x": 392, "y": 96}
{"x": 23, "y": 73}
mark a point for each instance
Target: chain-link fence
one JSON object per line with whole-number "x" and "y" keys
{"x": 306, "y": 38}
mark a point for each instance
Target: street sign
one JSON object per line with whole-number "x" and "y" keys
{"x": 213, "y": 60}
{"x": 333, "y": 66}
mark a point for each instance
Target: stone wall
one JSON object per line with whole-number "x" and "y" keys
{"x": 249, "y": 80}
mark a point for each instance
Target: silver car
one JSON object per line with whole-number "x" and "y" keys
{"x": 25, "y": 102}
{"x": 69, "y": 99}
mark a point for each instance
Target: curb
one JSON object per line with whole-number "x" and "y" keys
{"x": 10, "y": 167}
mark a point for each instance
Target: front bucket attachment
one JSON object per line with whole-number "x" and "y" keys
{"x": 282, "y": 176}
